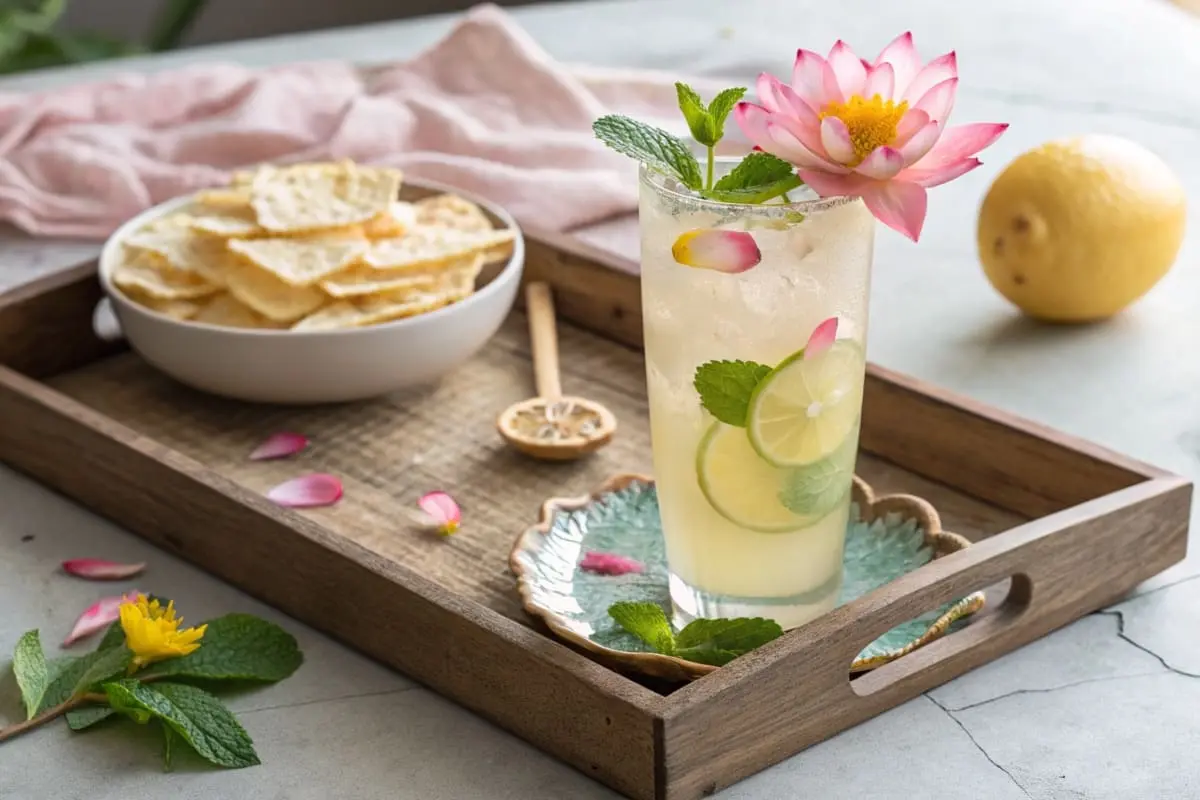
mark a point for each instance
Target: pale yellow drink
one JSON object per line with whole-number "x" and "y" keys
{"x": 740, "y": 538}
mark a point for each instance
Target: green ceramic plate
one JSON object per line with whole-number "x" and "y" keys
{"x": 886, "y": 537}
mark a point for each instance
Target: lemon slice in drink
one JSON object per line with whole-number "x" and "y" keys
{"x": 741, "y": 486}
{"x": 804, "y": 409}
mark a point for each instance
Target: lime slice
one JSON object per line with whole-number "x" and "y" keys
{"x": 741, "y": 486}
{"x": 805, "y": 409}
{"x": 819, "y": 488}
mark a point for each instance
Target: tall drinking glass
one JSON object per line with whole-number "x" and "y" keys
{"x": 754, "y": 497}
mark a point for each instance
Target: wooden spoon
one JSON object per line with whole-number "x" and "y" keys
{"x": 552, "y": 426}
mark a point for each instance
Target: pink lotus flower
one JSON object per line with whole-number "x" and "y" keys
{"x": 871, "y": 130}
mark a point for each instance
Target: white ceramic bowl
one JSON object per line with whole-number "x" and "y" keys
{"x": 305, "y": 367}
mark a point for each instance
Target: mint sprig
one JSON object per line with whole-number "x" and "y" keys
{"x": 725, "y": 388}
{"x": 32, "y": 674}
{"x": 704, "y": 641}
{"x": 759, "y": 177}
{"x": 652, "y": 146}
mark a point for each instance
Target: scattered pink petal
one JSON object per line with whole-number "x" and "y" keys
{"x": 98, "y": 616}
{"x": 821, "y": 338}
{"x": 609, "y": 564}
{"x": 442, "y": 511}
{"x": 98, "y": 569}
{"x": 723, "y": 251}
{"x": 307, "y": 491}
{"x": 280, "y": 445}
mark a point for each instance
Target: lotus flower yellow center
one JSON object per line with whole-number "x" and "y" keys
{"x": 152, "y": 632}
{"x": 872, "y": 123}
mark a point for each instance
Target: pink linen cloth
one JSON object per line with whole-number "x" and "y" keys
{"x": 485, "y": 109}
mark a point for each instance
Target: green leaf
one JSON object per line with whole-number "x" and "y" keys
{"x": 21, "y": 18}
{"x": 647, "y": 621}
{"x": 235, "y": 647}
{"x": 169, "y": 739}
{"x": 195, "y": 715}
{"x": 755, "y": 170}
{"x": 29, "y": 667}
{"x": 108, "y": 664}
{"x": 719, "y": 641}
{"x": 721, "y": 105}
{"x": 756, "y": 194}
{"x": 725, "y": 388}
{"x": 82, "y": 718}
{"x": 113, "y": 637}
{"x": 703, "y": 129}
{"x": 66, "y": 673}
{"x": 652, "y": 146}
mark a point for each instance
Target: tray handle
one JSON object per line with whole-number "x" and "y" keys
{"x": 105, "y": 324}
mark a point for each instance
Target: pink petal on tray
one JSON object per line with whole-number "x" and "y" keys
{"x": 279, "y": 445}
{"x": 821, "y": 338}
{"x": 98, "y": 616}
{"x": 442, "y": 511}
{"x": 98, "y": 569}
{"x": 307, "y": 491}
{"x": 609, "y": 563}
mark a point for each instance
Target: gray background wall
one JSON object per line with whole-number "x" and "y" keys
{"x": 223, "y": 20}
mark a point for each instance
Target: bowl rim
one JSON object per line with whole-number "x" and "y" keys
{"x": 511, "y": 270}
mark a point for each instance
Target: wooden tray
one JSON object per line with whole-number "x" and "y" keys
{"x": 1062, "y": 526}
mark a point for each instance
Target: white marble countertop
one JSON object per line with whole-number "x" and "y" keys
{"x": 1101, "y": 709}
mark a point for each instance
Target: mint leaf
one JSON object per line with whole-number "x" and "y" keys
{"x": 82, "y": 718}
{"x": 725, "y": 388}
{"x": 721, "y": 105}
{"x": 113, "y": 637}
{"x": 65, "y": 673}
{"x": 756, "y": 194}
{"x": 32, "y": 674}
{"x": 235, "y": 647}
{"x": 195, "y": 715}
{"x": 108, "y": 664}
{"x": 719, "y": 641}
{"x": 755, "y": 170}
{"x": 652, "y": 146}
{"x": 647, "y": 621}
{"x": 169, "y": 737}
{"x": 700, "y": 123}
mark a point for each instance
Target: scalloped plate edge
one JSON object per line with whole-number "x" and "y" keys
{"x": 674, "y": 668}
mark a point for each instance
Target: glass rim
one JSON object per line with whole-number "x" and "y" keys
{"x": 656, "y": 180}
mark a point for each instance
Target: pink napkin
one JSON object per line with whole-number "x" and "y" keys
{"x": 485, "y": 110}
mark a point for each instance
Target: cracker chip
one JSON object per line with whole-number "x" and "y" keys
{"x": 225, "y": 310}
{"x": 175, "y": 309}
{"x": 363, "y": 280}
{"x": 268, "y": 295}
{"x": 228, "y": 225}
{"x": 313, "y": 196}
{"x": 185, "y": 250}
{"x": 425, "y": 246}
{"x": 451, "y": 211}
{"x": 341, "y": 314}
{"x": 399, "y": 218}
{"x": 236, "y": 199}
{"x": 148, "y": 274}
{"x": 301, "y": 261}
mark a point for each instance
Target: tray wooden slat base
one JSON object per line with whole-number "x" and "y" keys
{"x": 1062, "y": 527}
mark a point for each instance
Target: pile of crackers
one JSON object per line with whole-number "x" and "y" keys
{"x": 309, "y": 247}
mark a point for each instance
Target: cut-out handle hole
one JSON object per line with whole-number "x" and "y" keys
{"x": 1006, "y": 601}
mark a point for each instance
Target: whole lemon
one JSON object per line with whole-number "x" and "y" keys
{"x": 1077, "y": 229}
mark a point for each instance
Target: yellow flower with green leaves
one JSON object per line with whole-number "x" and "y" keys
{"x": 152, "y": 632}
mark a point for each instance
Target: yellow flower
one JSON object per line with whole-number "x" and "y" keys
{"x": 152, "y": 632}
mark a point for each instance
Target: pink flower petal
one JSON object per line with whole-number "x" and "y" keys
{"x": 723, "y": 251}
{"x": 938, "y": 101}
{"x": 307, "y": 491}
{"x": 962, "y": 141}
{"x": 942, "y": 68}
{"x": 786, "y": 145}
{"x": 902, "y": 55}
{"x": 828, "y": 185}
{"x": 98, "y": 569}
{"x": 916, "y": 147}
{"x": 98, "y": 616}
{"x": 814, "y": 81}
{"x": 609, "y": 564}
{"x": 822, "y": 337}
{"x": 279, "y": 445}
{"x": 900, "y": 206}
{"x": 778, "y": 97}
{"x": 442, "y": 511}
{"x": 849, "y": 69}
{"x": 938, "y": 175}
{"x": 883, "y": 163}
{"x": 752, "y": 120}
{"x": 835, "y": 138}
{"x": 912, "y": 121}
{"x": 881, "y": 80}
